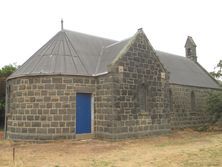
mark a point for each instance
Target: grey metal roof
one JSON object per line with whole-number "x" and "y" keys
{"x": 67, "y": 53}
{"x": 185, "y": 72}
{"x": 73, "y": 53}
{"x": 108, "y": 54}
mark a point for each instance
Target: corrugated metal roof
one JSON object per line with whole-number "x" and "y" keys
{"x": 67, "y": 53}
{"x": 73, "y": 53}
{"x": 185, "y": 72}
{"x": 108, "y": 54}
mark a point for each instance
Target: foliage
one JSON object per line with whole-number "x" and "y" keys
{"x": 215, "y": 105}
{"x": 215, "y": 99}
{"x": 7, "y": 70}
{"x": 2, "y": 105}
{"x": 217, "y": 73}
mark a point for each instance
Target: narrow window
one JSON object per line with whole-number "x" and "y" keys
{"x": 142, "y": 97}
{"x": 189, "y": 51}
{"x": 171, "y": 100}
{"x": 193, "y": 103}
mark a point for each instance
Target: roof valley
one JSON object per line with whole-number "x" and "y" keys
{"x": 99, "y": 60}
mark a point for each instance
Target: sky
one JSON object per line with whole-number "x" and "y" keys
{"x": 26, "y": 25}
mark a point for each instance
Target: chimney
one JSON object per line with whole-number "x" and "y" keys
{"x": 190, "y": 49}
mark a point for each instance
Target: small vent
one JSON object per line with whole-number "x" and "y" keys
{"x": 163, "y": 75}
{"x": 120, "y": 69}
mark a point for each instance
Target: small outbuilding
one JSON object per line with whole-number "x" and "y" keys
{"x": 79, "y": 84}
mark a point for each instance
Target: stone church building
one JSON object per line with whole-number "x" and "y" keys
{"x": 79, "y": 84}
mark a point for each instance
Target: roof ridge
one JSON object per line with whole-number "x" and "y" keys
{"x": 76, "y": 52}
{"x": 67, "y": 42}
{"x": 113, "y": 44}
{"x": 186, "y": 72}
{"x": 171, "y": 54}
{"x": 65, "y": 30}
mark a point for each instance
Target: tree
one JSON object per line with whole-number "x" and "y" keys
{"x": 8, "y": 70}
{"x": 215, "y": 105}
{"x": 215, "y": 99}
{"x": 217, "y": 73}
{"x": 5, "y": 72}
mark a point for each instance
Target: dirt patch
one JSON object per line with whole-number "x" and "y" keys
{"x": 183, "y": 148}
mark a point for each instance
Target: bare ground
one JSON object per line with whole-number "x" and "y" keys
{"x": 186, "y": 148}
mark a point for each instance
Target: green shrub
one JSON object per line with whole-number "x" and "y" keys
{"x": 215, "y": 105}
{"x": 2, "y": 105}
{"x": 217, "y": 73}
{"x": 7, "y": 70}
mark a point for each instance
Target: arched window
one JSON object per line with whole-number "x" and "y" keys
{"x": 171, "y": 100}
{"x": 193, "y": 102}
{"x": 142, "y": 94}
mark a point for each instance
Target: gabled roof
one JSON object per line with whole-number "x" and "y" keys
{"x": 185, "y": 71}
{"x": 190, "y": 42}
{"x": 73, "y": 53}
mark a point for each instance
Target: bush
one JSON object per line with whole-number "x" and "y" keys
{"x": 7, "y": 70}
{"x": 2, "y": 105}
{"x": 217, "y": 73}
{"x": 215, "y": 105}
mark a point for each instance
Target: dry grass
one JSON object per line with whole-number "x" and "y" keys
{"x": 184, "y": 148}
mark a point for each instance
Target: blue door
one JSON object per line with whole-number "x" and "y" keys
{"x": 83, "y": 113}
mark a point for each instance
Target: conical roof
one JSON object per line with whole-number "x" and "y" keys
{"x": 67, "y": 53}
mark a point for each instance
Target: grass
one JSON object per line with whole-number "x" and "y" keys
{"x": 101, "y": 163}
{"x": 179, "y": 149}
{"x": 204, "y": 157}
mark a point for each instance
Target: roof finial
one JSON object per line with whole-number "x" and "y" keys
{"x": 61, "y": 24}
